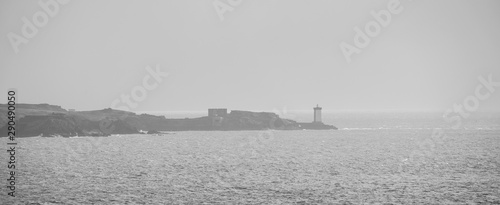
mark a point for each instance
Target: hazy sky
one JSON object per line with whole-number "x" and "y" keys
{"x": 266, "y": 54}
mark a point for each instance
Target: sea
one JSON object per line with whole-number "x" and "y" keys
{"x": 374, "y": 158}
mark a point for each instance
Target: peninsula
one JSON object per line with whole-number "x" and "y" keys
{"x": 52, "y": 120}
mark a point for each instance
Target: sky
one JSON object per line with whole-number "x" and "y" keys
{"x": 263, "y": 55}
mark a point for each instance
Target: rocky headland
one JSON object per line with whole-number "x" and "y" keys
{"x": 51, "y": 120}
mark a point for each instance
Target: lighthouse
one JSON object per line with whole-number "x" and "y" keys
{"x": 317, "y": 114}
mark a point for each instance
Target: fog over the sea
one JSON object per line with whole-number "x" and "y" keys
{"x": 264, "y": 55}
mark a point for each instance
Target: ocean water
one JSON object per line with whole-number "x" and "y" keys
{"x": 374, "y": 158}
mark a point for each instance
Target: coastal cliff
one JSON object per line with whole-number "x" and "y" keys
{"x": 64, "y": 125}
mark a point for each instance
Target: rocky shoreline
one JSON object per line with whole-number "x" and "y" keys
{"x": 50, "y": 120}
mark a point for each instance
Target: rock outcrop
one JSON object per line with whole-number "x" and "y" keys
{"x": 241, "y": 120}
{"x": 64, "y": 125}
{"x": 50, "y": 120}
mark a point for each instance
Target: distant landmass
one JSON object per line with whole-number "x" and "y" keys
{"x": 52, "y": 120}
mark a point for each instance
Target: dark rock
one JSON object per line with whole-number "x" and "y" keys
{"x": 65, "y": 126}
{"x": 152, "y": 132}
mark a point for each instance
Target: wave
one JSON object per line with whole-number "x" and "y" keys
{"x": 418, "y": 128}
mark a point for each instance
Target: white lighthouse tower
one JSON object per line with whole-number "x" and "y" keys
{"x": 317, "y": 114}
